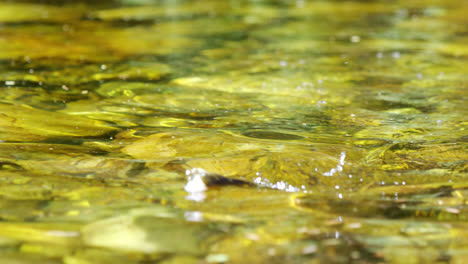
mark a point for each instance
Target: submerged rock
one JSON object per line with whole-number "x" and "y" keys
{"x": 152, "y": 231}
{"x": 57, "y": 72}
{"x": 420, "y": 157}
{"x": 280, "y": 164}
{"x": 18, "y": 123}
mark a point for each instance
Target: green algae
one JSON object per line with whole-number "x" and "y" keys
{"x": 140, "y": 131}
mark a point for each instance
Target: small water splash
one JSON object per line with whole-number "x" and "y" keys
{"x": 281, "y": 185}
{"x": 339, "y": 167}
{"x": 195, "y": 185}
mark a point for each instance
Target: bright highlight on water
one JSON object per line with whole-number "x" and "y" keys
{"x": 270, "y": 131}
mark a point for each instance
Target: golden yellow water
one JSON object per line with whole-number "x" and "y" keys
{"x": 268, "y": 131}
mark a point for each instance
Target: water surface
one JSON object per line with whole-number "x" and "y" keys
{"x": 146, "y": 131}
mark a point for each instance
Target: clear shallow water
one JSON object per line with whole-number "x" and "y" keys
{"x": 233, "y": 132}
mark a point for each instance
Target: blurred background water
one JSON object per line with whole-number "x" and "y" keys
{"x": 266, "y": 131}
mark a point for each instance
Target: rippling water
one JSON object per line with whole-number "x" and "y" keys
{"x": 146, "y": 131}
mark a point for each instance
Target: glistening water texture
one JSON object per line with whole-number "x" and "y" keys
{"x": 151, "y": 131}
